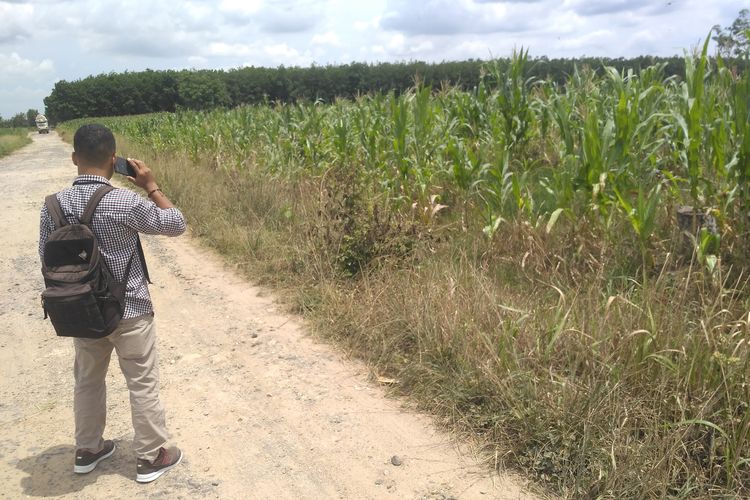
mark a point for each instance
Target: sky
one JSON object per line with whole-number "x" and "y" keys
{"x": 44, "y": 41}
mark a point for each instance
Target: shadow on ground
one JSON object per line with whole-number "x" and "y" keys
{"x": 50, "y": 473}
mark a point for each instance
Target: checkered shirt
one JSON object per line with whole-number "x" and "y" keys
{"x": 118, "y": 219}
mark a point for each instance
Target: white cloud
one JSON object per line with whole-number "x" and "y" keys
{"x": 16, "y": 21}
{"x": 590, "y": 40}
{"x": 453, "y": 17}
{"x": 281, "y": 53}
{"x": 198, "y": 62}
{"x": 397, "y": 42}
{"x": 15, "y": 66}
{"x": 361, "y": 25}
{"x": 566, "y": 22}
{"x": 197, "y": 10}
{"x": 243, "y": 7}
{"x": 290, "y": 16}
{"x": 281, "y": 50}
{"x": 227, "y": 49}
{"x": 473, "y": 49}
{"x": 372, "y": 24}
{"x": 422, "y": 47}
{"x": 328, "y": 38}
{"x": 589, "y": 8}
{"x": 23, "y": 83}
{"x": 400, "y": 47}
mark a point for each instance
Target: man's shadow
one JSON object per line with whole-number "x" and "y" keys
{"x": 50, "y": 473}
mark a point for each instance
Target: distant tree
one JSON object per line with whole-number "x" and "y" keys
{"x": 732, "y": 41}
{"x": 202, "y": 90}
{"x": 19, "y": 120}
{"x": 31, "y": 117}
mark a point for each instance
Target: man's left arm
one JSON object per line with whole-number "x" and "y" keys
{"x": 146, "y": 217}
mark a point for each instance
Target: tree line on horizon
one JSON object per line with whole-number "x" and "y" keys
{"x": 20, "y": 120}
{"x": 130, "y": 93}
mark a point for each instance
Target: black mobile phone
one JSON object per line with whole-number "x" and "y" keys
{"x": 123, "y": 167}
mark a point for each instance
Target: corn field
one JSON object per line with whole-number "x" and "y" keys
{"x": 635, "y": 190}
{"x": 602, "y": 146}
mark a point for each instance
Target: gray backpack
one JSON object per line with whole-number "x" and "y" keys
{"x": 82, "y": 299}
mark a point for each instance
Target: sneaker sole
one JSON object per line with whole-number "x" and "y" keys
{"x": 147, "y": 478}
{"x": 85, "y": 469}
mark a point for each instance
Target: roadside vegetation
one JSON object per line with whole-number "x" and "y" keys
{"x": 559, "y": 269}
{"x": 12, "y": 139}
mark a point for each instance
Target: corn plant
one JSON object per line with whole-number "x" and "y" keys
{"x": 689, "y": 117}
{"x": 642, "y": 218}
{"x": 512, "y": 98}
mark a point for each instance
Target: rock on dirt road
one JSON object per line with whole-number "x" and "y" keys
{"x": 260, "y": 409}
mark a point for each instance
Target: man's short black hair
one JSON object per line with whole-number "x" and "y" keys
{"x": 94, "y": 144}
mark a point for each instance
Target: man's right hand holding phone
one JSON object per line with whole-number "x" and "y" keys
{"x": 145, "y": 180}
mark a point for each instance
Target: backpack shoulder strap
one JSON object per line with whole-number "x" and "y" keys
{"x": 142, "y": 258}
{"x": 88, "y": 213}
{"x": 139, "y": 249}
{"x": 55, "y": 211}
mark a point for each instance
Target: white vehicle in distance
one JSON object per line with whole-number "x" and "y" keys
{"x": 41, "y": 124}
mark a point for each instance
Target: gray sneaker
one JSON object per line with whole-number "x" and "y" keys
{"x": 149, "y": 471}
{"x": 87, "y": 461}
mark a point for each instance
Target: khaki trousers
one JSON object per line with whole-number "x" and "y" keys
{"x": 135, "y": 343}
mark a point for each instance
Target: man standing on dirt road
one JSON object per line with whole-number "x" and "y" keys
{"x": 117, "y": 220}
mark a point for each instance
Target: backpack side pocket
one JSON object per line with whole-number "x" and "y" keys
{"x": 74, "y": 312}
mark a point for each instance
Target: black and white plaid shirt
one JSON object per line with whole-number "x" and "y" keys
{"x": 118, "y": 219}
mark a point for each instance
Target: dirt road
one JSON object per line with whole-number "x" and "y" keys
{"x": 260, "y": 409}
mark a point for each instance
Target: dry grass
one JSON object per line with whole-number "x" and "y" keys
{"x": 612, "y": 396}
{"x": 13, "y": 139}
